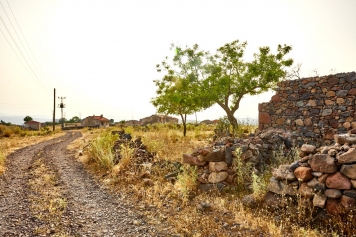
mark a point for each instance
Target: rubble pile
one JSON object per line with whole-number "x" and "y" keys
{"x": 140, "y": 153}
{"x": 216, "y": 160}
{"x": 325, "y": 175}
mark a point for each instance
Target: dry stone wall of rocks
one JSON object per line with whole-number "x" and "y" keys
{"x": 215, "y": 161}
{"x": 313, "y": 109}
{"x": 325, "y": 175}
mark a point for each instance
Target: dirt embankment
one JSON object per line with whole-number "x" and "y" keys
{"x": 45, "y": 192}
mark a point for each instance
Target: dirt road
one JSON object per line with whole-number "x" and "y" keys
{"x": 81, "y": 208}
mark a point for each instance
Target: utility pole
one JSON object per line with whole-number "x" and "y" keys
{"x": 54, "y": 110}
{"x": 62, "y": 106}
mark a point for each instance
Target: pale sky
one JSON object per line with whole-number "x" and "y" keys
{"x": 101, "y": 55}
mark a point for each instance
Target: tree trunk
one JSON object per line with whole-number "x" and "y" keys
{"x": 184, "y": 121}
{"x": 232, "y": 120}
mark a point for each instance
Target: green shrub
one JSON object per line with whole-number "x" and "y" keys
{"x": 101, "y": 150}
{"x": 187, "y": 180}
{"x": 243, "y": 171}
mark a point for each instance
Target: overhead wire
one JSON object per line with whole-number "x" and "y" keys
{"x": 18, "y": 25}
{"x": 20, "y": 51}
{"x": 18, "y": 37}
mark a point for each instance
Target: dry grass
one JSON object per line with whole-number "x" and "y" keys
{"x": 10, "y": 144}
{"x": 191, "y": 213}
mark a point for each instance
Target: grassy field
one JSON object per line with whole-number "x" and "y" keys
{"x": 180, "y": 205}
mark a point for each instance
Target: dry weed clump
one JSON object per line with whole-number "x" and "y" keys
{"x": 101, "y": 150}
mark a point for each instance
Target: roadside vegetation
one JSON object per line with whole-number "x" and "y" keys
{"x": 14, "y": 137}
{"x": 179, "y": 204}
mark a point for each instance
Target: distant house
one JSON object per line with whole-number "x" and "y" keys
{"x": 33, "y": 125}
{"x": 131, "y": 123}
{"x": 156, "y": 118}
{"x": 96, "y": 121}
{"x": 207, "y": 121}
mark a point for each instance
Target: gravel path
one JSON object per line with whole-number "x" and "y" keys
{"x": 90, "y": 209}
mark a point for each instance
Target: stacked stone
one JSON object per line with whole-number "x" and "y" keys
{"x": 313, "y": 108}
{"x": 216, "y": 161}
{"x": 140, "y": 153}
{"x": 326, "y": 175}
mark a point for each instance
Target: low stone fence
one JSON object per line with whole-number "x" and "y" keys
{"x": 216, "y": 161}
{"x": 325, "y": 175}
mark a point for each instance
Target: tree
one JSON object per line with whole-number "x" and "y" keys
{"x": 75, "y": 119}
{"x": 112, "y": 121}
{"x": 230, "y": 78}
{"x": 27, "y": 119}
{"x": 178, "y": 91}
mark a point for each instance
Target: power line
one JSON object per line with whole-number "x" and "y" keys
{"x": 15, "y": 52}
{"x": 17, "y": 34}
{"x": 18, "y": 48}
{"x": 18, "y": 25}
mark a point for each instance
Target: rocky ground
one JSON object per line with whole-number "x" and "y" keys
{"x": 88, "y": 209}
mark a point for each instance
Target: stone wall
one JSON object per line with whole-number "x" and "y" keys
{"x": 313, "y": 109}
{"x": 325, "y": 175}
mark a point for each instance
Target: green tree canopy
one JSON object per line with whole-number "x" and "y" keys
{"x": 27, "y": 119}
{"x": 75, "y": 119}
{"x": 195, "y": 79}
{"x": 178, "y": 91}
{"x": 231, "y": 78}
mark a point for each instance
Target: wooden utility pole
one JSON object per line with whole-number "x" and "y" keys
{"x": 54, "y": 110}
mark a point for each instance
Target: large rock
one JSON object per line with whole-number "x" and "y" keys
{"x": 333, "y": 193}
{"x": 216, "y": 155}
{"x": 349, "y": 170}
{"x": 347, "y": 202}
{"x": 283, "y": 173}
{"x": 217, "y": 166}
{"x": 334, "y": 207}
{"x": 350, "y": 193}
{"x": 303, "y": 174}
{"x": 272, "y": 200}
{"x": 347, "y": 157}
{"x": 308, "y": 148}
{"x": 192, "y": 160}
{"x": 338, "y": 181}
{"x": 305, "y": 191}
{"x": 323, "y": 163}
{"x": 344, "y": 138}
{"x": 228, "y": 155}
{"x": 278, "y": 187}
{"x": 319, "y": 201}
{"x": 217, "y": 177}
{"x": 274, "y": 186}
{"x": 264, "y": 118}
{"x": 353, "y": 182}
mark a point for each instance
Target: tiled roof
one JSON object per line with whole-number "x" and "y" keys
{"x": 32, "y": 121}
{"x": 100, "y": 118}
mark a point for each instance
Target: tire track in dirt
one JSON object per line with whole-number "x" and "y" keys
{"x": 90, "y": 211}
{"x": 15, "y": 217}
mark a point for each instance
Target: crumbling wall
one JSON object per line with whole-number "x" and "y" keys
{"x": 313, "y": 109}
{"x": 325, "y": 175}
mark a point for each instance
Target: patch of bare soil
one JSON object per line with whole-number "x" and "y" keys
{"x": 45, "y": 191}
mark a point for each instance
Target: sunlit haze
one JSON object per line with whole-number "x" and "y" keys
{"x": 101, "y": 55}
